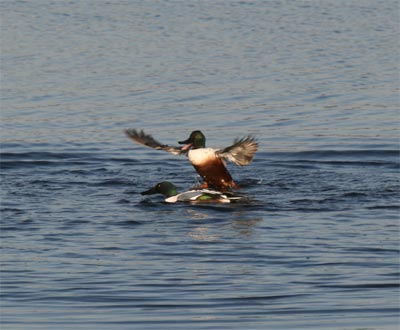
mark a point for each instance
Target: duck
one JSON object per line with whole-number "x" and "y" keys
{"x": 209, "y": 163}
{"x": 169, "y": 190}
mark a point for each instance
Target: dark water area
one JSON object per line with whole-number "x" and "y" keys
{"x": 317, "y": 239}
{"x": 315, "y": 245}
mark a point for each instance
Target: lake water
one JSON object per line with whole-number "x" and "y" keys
{"x": 317, "y": 245}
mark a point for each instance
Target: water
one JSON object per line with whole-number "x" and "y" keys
{"x": 317, "y": 245}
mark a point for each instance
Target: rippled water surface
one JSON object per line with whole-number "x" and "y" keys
{"x": 315, "y": 247}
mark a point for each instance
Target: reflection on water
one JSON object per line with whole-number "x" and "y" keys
{"x": 244, "y": 225}
{"x": 203, "y": 234}
{"x": 195, "y": 214}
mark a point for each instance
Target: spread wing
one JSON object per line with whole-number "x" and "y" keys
{"x": 241, "y": 152}
{"x": 147, "y": 140}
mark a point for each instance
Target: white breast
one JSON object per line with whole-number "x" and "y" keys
{"x": 201, "y": 156}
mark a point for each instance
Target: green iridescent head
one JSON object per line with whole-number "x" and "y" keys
{"x": 165, "y": 188}
{"x": 196, "y": 140}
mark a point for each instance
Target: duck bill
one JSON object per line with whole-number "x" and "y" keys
{"x": 151, "y": 191}
{"x": 186, "y": 147}
{"x": 185, "y": 142}
{"x": 188, "y": 143}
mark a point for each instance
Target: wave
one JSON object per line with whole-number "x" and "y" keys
{"x": 357, "y": 153}
{"x": 388, "y": 159}
{"x": 374, "y": 157}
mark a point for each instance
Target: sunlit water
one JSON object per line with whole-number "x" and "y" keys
{"x": 315, "y": 247}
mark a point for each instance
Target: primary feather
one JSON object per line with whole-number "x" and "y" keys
{"x": 147, "y": 140}
{"x": 241, "y": 152}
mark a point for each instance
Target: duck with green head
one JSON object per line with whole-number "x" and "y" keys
{"x": 169, "y": 191}
{"x": 209, "y": 163}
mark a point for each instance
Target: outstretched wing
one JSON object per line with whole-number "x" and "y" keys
{"x": 241, "y": 152}
{"x": 147, "y": 140}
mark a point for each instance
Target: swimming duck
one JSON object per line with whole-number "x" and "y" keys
{"x": 209, "y": 163}
{"x": 169, "y": 190}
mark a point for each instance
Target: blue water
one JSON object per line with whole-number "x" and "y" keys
{"x": 316, "y": 246}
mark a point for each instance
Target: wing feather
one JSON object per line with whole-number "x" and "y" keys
{"x": 147, "y": 140}
{"x": 241, "y": 152}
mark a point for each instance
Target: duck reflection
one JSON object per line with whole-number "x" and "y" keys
{"x": 211, "y": 229}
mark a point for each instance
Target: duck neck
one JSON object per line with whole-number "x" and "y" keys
{"x": 171, "y": 192}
